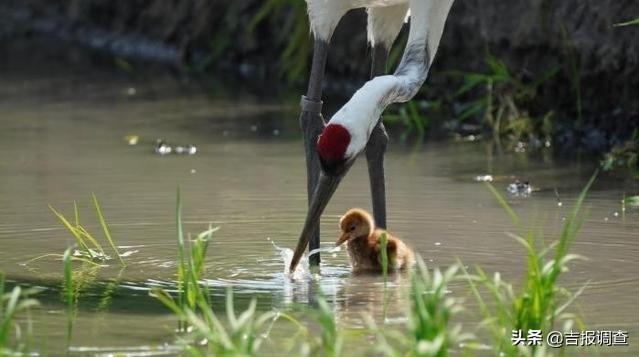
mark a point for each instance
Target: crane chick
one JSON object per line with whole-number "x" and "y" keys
{"x": 364, "y": 244}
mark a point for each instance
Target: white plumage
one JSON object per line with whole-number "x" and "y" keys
{"x": 362, "y": 112}
{"x": 355, "y": 126}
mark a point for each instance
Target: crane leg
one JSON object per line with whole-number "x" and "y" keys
{"x": 312, "y": 124}
{"x": 376, "y": 147}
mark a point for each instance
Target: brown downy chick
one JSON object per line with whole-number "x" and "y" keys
{"x": 364, "y": 243}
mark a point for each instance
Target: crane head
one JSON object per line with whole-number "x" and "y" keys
{"x": 332, "y": 147}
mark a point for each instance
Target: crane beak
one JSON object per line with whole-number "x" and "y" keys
{"x": 326, "y": 186}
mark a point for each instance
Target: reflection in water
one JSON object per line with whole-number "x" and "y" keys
{"x": 58, "y": 146}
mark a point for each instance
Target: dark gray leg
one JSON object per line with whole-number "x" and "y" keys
{"x": 376, "y": 147}
{"x": 312, "y": 124}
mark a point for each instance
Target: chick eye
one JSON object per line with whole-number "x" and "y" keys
{"x": 351, "y": 228}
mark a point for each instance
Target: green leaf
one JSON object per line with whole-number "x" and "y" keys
{"x": 628, "y": 23}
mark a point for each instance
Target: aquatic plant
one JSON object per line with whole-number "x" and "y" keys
{"x": 194, "y": 309}
{"x": 239, "y": 337}
{"x": 429, "y": 316}
{"x": 431, "y": 311}
{"x": 89, "y": 246}
{"x": 191, "y": 259}
{"x": 504, "y": 100}
{"x": 13, "y": 341}
{"x": 541, "y": 302}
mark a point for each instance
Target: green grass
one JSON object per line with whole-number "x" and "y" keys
{"x": 431, "y": 311}
{"x": 383, "y": 249}
{"x": 14, "y": 341}
{"x": 191, "y": 260}
{"x": 428, "y": 331}
{"x": 240, "y": 336}
{"x": 88, "y": 245}
{"x": 634, "y": 22}
{"x": 70, "y": 297}
{"x": 331, "y": 341}
{"x": 541, "y": 301}
{"x": 504, "y": 102}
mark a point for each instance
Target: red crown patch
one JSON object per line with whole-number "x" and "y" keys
{"x": 332, "y": 143}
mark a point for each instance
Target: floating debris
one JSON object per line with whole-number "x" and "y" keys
{"x": 162, "y": 148}
{"x": 189, "y": 149}
{"x": 132, "y": 139}
{"x": 484, "y": 178}
{"x": 131, "y": 91}
{"x": 519, "y": 189}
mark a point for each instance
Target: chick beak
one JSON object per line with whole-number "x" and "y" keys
{"x": 345, "y": 237}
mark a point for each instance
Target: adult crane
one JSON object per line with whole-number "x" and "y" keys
{"x": 331, "y": 148}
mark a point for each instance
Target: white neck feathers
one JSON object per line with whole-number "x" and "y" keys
{"x": 362, "y": 112}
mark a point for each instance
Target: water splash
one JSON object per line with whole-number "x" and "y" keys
{"x": 302, "y": 271}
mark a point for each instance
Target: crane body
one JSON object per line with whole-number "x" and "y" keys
{"x": 331, "y": 148}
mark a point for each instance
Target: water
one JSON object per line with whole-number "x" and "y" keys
{"x": 62, "y": 139}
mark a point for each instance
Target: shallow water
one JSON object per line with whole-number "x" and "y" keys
{"x": 62, "y": 139}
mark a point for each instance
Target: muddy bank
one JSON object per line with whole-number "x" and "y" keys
{"x": 530, "y": 36}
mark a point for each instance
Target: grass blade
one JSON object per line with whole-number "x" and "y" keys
{"x": 105, "y": 228}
